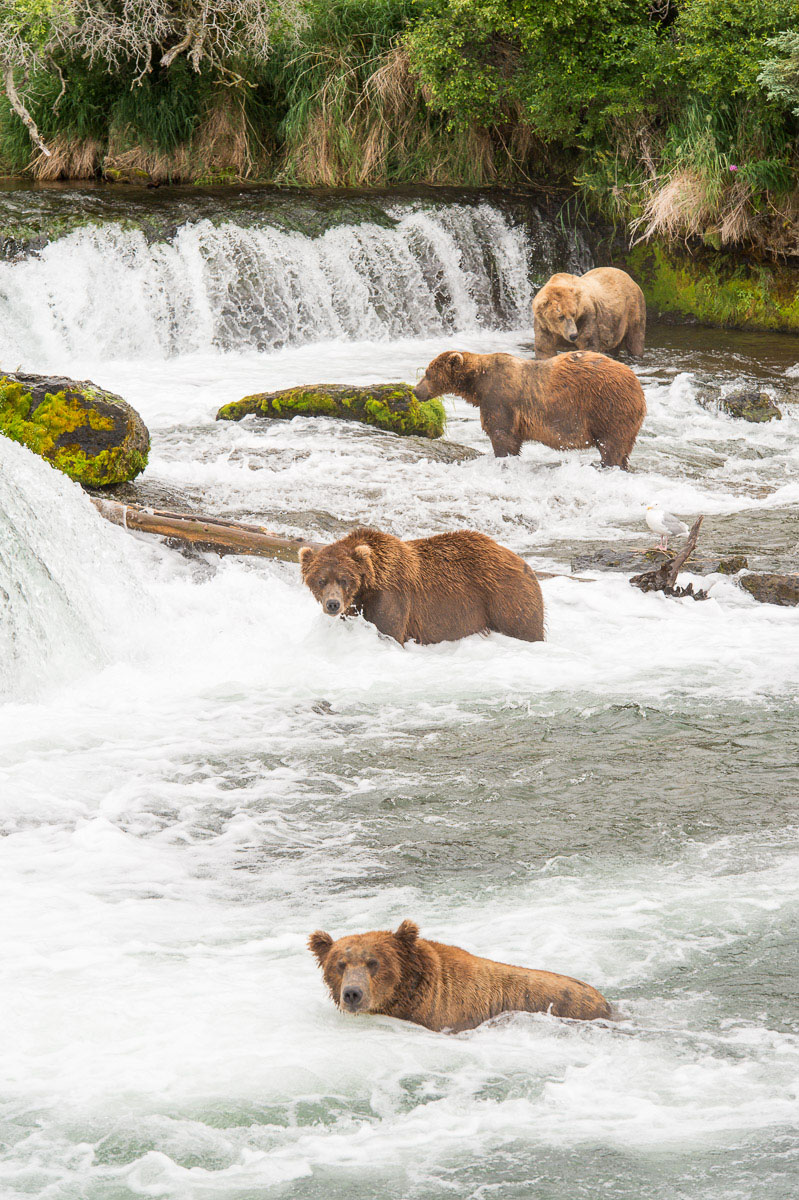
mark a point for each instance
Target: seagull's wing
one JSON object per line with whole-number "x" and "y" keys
{"x": 673, "y": 524}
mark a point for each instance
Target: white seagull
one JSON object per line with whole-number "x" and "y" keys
{"x": 665, "y": 524}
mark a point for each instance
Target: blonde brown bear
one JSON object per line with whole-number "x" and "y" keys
{"x": 603, "y": 310}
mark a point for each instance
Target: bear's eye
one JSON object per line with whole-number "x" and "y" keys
{"x": 340, "y": 966}
{"x": 372, "y": 964}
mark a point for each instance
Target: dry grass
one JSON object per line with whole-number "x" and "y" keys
{"x": 69, "y": 159}
{"x": 223, "y": 147}
{"x": 358, "y": 130}
{"x": 686, "y": 205}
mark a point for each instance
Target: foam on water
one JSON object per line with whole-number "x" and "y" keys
{"x": 197, "y": 767}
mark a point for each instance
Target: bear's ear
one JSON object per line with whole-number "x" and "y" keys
{"x": 454, "y": 359}
{"x": 362, "y": 551}
{"x": 319, "y": 944}
{"x": 306, "y": 554}
{"x": 407, "y": 933}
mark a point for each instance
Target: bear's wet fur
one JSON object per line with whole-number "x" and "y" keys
{"x": 441, "y": 987}
{"x": 603, "y": 310}
{"x": 568, "y": 402}
{"x": 434, "y": 589}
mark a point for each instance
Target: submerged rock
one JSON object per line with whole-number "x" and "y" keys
{"x": 772, "y": 588}
{"x": 745, "y": 404}
{"x": 612, "y": 558}
{"x": 88, "y": 433}
{"x": 391, "y": 406}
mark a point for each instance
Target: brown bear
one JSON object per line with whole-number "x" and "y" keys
{"x": 428, "y": 590}
{"x": 568, "y": 402}
{"x": 601, "y": 310}
{"x": 442, "y": 987}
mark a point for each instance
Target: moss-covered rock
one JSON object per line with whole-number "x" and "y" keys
{"x": 91, "y": 435}
{"x": 745, "y": 404}
{"x": 772, "y": 588}
{"x": 715, "y": 289}
{"x": 391, "y": 406}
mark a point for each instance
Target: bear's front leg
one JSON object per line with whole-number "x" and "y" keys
{"x": 389, "y": 612}
{"x": 504, "y": 443}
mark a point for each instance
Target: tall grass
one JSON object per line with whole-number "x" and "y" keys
{"x": 354, "y": 114}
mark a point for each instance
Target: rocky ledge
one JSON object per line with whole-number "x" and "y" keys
{"x": 391, "y": 406}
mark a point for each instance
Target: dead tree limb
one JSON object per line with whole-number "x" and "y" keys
{"x": 664, "y": 578}
{"x": 222, "y": 536}
{"x": 204, "y": 533}
{"x": 19, "y": 108}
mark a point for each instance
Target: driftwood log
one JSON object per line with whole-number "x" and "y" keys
{"x": 664, "y": 578}
{"x": 220, "y": 535}
{"x": 201, "y": 532}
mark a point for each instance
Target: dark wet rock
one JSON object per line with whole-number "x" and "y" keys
{"x": 613, "y": 558}
{"x": 733, "y": 564}
{"x": 744, "y": 404}
{"x": 90, "y": 434}
{"x": 390, "y": 406}
{"x": 148, "y": 493}
{"x": 772, "y": 588}
{"x": 441, "y": 451}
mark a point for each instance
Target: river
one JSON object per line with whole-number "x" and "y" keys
{"x": 198, "y": 769}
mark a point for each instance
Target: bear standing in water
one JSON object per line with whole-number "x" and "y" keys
{"x": 602, "y": 310}
{"x": 434, "y": 589}
{"x": 569, "y": 402}
{"x": 441, "y": 987}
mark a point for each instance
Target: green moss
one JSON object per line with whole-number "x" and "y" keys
{"x": 239, "y": 409}
{"x": 716, "y": 290}
{"x": 304, "y": 402}
{"x": 45, "y": 428}
{"x": 385, "y": 406}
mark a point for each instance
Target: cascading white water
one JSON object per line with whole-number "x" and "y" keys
{"x": 108, "y": 292}
{"x": 63, "y": 582}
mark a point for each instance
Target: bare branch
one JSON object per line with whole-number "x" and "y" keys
{"x": 22, "y": 112}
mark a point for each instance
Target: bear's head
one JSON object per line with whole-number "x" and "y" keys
{"x": 446, "y": 374}
{"x": 365, "y": 970}
{"x": 338, "y": 574}
{"x": 560, "y": 309}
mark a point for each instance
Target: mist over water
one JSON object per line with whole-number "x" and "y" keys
{"x": 197, "y": 768}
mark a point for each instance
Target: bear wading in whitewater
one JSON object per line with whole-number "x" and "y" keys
{"x": 569, "y": 402}
{"x": 434, "y": 589}
{"x": 441, "y": 987}
{"x": 603, "y": 310}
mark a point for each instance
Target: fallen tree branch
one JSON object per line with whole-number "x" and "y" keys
{"x": 221, "y": 535}
{"x": 664, "y": 578}
{"x": 19, "y": 108}
{"x": 204, "y": 533}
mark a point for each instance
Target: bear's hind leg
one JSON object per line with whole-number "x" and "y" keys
{"x": 634, "y": 340}
{"x": 518, "y": 611}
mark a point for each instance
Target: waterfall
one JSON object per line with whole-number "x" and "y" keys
{"x": 61, "y": 575}
{"x": 105, "y": 290}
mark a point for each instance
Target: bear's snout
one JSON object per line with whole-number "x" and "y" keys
{"x": 333, "y": 600}
{"x": 423, "y": 391}
{"x": 355, "y": 991}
